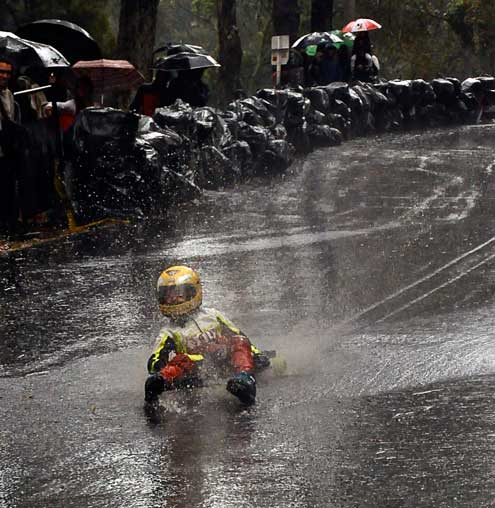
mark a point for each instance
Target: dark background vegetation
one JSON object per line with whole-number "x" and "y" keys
{"x": 419, "y": 39}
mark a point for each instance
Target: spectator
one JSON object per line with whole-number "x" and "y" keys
{"x": 362, "y": 40}
{"x": 363, "y": 66}
{"x": 330, "y": 66}
{"x": 293, "y": 72}
{"x": 83, "y": 98}
{"x": 8, "y": 108}
{"x": 314, "y": 69}
{"x": 189, "y": 87}
{"x": 64, "y": 144}
{"x": 31, "y": 105}
{"x": 345, "y": 62}
{"x": 59, "y": 92}
{"x": 307, "y": 62}
{"x": 36, "y": 194}
{"x": 11, "y": 151}
{"x": 150, "y": 96}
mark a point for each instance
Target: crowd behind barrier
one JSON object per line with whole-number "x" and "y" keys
{"x": 115, "y": 163}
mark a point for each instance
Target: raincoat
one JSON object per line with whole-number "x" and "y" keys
{"x": 204, "y": 335}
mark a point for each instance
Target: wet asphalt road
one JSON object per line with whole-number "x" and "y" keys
{"x": 369, "y": 267}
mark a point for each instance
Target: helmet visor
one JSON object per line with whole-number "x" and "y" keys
{"x": 173, "y": 295}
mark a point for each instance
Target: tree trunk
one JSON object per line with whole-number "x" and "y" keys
{"x": 321, "y": 15}
{"x": 286, "y": 14}
{"x": 230, "y": 50}
{"x": 137, "y": 26}
{"x": 349, "y": 10}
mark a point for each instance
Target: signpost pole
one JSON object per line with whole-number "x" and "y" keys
{"x": 280, "y": 55}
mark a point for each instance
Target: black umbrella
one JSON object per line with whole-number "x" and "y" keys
{"x": 186, "y": 48}
{"x": 316, "y": 38}
{"x": 23, "y": 53}
{"x": 185, "y": 61}
{"x": 70, "y": 39}
{"x": 172, "y": 48}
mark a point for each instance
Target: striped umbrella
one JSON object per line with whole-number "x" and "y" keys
{"x": 109, "y": 75}
{"x": 361, "y": 25}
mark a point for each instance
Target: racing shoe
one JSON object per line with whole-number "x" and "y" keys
{"x": 154, "y": 386}
{"x": 243, "y": 386}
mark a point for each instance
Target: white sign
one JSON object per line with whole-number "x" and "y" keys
{"x": 280, "y": 57}
{"x": 280, "y": 42}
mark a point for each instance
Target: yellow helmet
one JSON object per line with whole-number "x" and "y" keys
{"x": 179, "y": 291}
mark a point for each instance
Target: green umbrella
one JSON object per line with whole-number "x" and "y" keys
{"x": 347, "y": 37}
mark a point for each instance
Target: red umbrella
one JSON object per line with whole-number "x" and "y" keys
{"x": 361, "y": 25}
{"x": 109, "y": 74}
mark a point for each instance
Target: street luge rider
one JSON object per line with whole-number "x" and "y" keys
{"x": 196, "y": 339}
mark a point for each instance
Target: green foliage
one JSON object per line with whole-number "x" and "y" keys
{"x": 417, "y": 40}
{"x": 195, "y": 22}
{"x": 456, "y": 17}
{"x": 474, "y": 22}
{"x": 94, "y": 17}
{"x": 204, "y": 8}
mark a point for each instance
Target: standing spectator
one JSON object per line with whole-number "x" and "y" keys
{"x": 8, "y": 108}
{"x": 363, "y": 66}
{"x": 362, "y": 40}
{"x": 150, "y": 96}
{"x": 293, "y": 72}
{"x": 34, "y": 175}
{"x": 11, "y": 139}
{"x": 67, "y": 110}
{"x": 345, "y": 62}
{"x": 59, "y": 92}
{"x": 364, "y": 63}
{"x": 330, "y": 67}
{"x": 31, "y": 105}
{"x": 64, "y": 145}
{"x": 314, "y": 69}
{"x": 189, "y": 87}
{"x": 39, "y": 205}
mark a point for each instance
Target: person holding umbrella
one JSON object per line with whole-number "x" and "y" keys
{"x": 156, "y": 94}
{"x": 83, "y": 98}
{"x": 10, "y": 152}
{"x": 7, "y": 105}
{"x": 188, "y": 85}
{"x": 330, "y": 65}
{"x": 150, "y": 96}
{"x": 364, "y": 65}
{"x": 360, "y": 28}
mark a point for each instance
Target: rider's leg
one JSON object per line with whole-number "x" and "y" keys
{"x": 242, "y": 384}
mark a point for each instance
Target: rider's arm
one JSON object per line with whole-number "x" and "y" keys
{"x": 227, "y": 323}
{"x": 236, "y": 331}
{"x": 160, "y": 356}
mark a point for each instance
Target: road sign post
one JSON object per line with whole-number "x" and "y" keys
{"x": 280, "y": 54}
